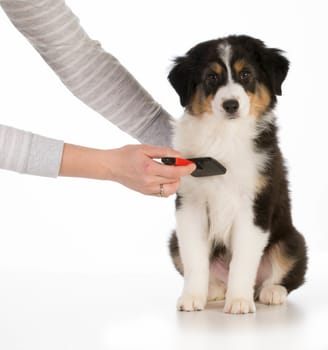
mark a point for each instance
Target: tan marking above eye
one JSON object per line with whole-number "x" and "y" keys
{"x": 217, "y": 68}
{"x": 238, "y": 66}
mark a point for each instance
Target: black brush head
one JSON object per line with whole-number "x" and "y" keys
{"x": 207, "y": 166}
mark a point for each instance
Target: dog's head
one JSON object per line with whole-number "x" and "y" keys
{"x": 233, "y": 77}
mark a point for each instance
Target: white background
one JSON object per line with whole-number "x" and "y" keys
{"x": 83, "y": 263}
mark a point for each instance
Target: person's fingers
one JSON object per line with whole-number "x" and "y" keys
{"x": 156, "y": 168}
{"x": 159, "y": 151}
{"x": 171, "y": 171}
{"x": 171, "y": 188}
{"x": 154, "y": 182}
{"x": 165, "y": 190}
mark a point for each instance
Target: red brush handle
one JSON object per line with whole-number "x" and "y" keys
{"x": 176, "y": 161}
{"x": 181, "y": 161}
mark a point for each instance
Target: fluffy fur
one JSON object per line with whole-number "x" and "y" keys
{"x": 234, "y": 238}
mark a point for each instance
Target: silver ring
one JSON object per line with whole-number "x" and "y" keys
{"x": 161, "y": 190}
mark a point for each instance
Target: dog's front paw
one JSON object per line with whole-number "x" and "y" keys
{"x": 239, "y": 306}
{"x": 189, "y": 302}
{"x": 273, "y": 295}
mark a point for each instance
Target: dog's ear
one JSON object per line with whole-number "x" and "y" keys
{"x": 182, "y": 77}
{"x": 276, "y": 66}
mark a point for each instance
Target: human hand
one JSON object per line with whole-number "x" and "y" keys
{"x": 134, "y": 167}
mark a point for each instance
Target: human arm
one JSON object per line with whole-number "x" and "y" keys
{"x": 132, "y": 166}
{"x": 91, "y": 74}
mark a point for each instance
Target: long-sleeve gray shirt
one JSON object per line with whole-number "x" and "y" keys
{"x": 90, "y": 73}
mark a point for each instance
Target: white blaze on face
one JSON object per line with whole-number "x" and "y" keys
{"x": 231, "y": 91}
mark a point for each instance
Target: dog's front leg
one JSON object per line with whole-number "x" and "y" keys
{"x": 247, "y": 244}
{"x": 192, "y": 233}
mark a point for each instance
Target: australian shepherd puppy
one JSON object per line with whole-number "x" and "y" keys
{"x": 234, "y": 239}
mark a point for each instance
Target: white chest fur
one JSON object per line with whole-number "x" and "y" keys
{"x": 231, "y": 143}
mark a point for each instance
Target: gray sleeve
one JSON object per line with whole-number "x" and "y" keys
{"x": 90, "y": 73}
{"x": 28, "y": 153}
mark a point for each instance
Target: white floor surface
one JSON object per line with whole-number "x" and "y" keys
{"x": 88, "y": 311}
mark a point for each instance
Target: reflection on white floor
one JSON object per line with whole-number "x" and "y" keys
{"x": 77, "y": 311}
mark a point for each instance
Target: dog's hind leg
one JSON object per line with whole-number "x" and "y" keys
{"x": 175, "y": 252}
{"x": 216, "y": 290}
{"x": 288, "y": 264}
{"x": 219, "y": 269}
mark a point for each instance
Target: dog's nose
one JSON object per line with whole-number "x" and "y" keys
{"x": 231, "y": 106}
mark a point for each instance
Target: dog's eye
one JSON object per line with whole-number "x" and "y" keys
{"x": 212, "y": 78}
{"x": 245, "y": 75}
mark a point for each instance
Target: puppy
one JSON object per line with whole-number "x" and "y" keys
{"x": 234, "y": 238}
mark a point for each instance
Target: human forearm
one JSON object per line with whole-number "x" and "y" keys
{"x": 90, "y": 73}
{"x": 78, "y": 161}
